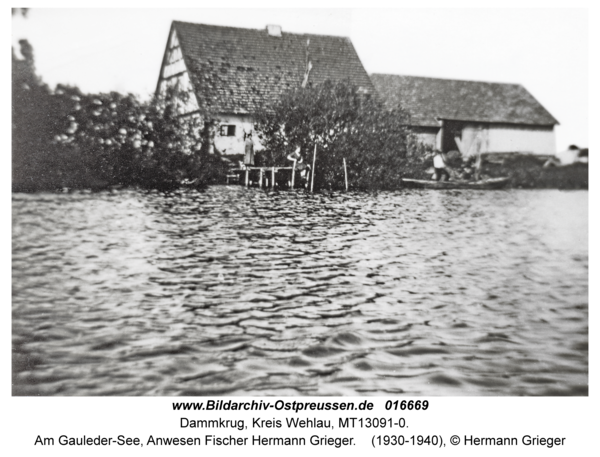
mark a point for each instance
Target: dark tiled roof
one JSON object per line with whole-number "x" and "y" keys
{"x": 426, "y": 99}
{"x": 233, "y": 70}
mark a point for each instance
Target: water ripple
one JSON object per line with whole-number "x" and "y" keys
{"x": 236, "y": 291}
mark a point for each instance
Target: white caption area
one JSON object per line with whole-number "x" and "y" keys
{"x": 151, "y": 427}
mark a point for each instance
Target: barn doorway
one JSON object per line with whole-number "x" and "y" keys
{"x": 450, "y": 130}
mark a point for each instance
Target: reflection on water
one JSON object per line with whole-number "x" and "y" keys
{"x": 235, "y": 291}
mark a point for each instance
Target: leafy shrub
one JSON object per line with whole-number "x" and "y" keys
{"x": 65, "y": 138}
{"x": 527, "y": 172}
{"x": 132, "y": 142}
{"x": 342, "y": 123}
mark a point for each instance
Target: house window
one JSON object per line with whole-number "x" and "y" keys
{"x": 228, "y": 130}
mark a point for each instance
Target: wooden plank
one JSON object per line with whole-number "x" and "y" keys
{"x": 261, "y": 168}
{"x": 345, "y": 174}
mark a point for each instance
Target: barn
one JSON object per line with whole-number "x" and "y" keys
{"x": 230, "y": 72}
{"x": 470, "y": 116}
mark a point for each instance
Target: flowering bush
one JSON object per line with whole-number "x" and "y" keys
{"x": 343, "y": 123}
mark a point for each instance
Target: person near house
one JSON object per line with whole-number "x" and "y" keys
{"x": 303, "y": 168}
{"x": 572, "y": 155}
{"x": 249, "y": 150}
{"x": 471, "y": 168}
{"x": 295, "y": 156}
{"x": 210, "y": 156}
{"x": 440, "y": 166}
{"x": 208, "y": 133}
{"x": 466, "y": 170}
{"x": 477, "y": 168}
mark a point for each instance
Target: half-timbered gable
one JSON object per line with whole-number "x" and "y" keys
{"x": 232, "y": 72}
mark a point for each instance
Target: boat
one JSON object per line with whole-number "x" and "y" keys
{"x": 492, "y": 183}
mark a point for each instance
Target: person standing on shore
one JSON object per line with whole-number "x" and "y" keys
{"x": 249, "y": 150}
{"x": 295, "y": 156}
{"x": 299, "y": 165}
{"x": 440, "y": 166}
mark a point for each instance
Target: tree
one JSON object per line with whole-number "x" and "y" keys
{"x": 37, "y": 163}
{"x": 343, "y": 123}
{"x": 147, "y": 144}
{"x": 65, "y": 138}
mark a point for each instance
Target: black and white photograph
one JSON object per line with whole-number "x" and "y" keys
{"x": 300, "y": 202}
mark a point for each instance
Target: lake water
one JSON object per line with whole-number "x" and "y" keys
{"x": 237, "y": 291}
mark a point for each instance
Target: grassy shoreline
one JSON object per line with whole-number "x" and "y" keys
{"x": 528, "y": 172}
{"x": 525, "y": 172}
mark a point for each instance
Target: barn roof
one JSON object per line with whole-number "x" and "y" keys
{"x": 428, "y": 99}
{"x": 233, "y": 69}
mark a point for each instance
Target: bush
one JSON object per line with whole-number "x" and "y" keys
{"x": 527, "y": 172}
{"x": 131, "y": 142}
{"x": 64, "y": 138}
{"x": 342, "y": 123}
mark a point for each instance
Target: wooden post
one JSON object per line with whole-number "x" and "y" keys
{"x": 260, "y": 178}
{"x": 247, "y": 172}
{"x": 273, "y": 177}
{"x": 293, "y": 173}
{"x": 312, "y": 173}
{"x": 345, "y": 174}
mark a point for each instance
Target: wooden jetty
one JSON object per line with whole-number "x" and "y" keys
{"x": 265, "y": 174}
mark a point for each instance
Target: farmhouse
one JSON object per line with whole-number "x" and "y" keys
{"x": 230, "y": 72}
{"x": 471, "y": 116}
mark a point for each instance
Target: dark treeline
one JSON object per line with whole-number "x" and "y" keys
{"x": 65, "y": 138}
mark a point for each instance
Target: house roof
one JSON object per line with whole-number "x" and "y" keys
{"x": 429, "y": 99}
{"x": 233, "y": 70}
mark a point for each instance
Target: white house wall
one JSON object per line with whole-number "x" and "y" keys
{"x": 475, "y": 139}
{"x": 427, "y": 138}
{"x": 235, "y": 144}
{"x": 499, "y": 138}
{"x": 530, "y": 139}
{"x": 426, "y": 135}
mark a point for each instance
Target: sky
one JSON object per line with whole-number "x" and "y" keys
{"x": 544, "y": 49}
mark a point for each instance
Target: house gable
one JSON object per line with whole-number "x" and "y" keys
{"x": 236, "y": 71}
{"x": 174, "y": 74}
